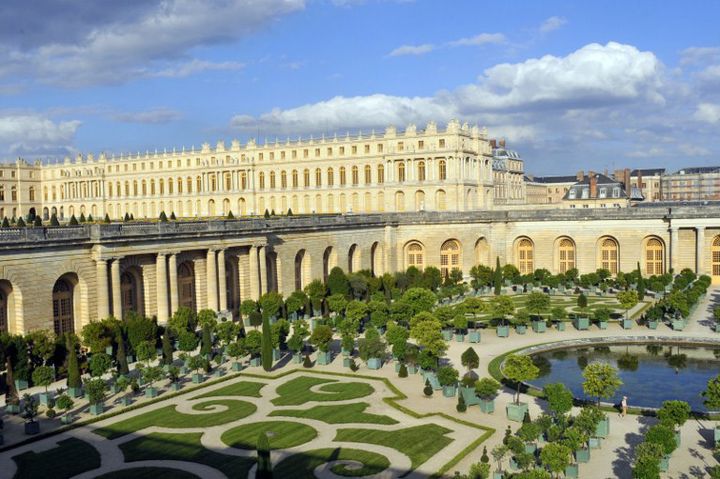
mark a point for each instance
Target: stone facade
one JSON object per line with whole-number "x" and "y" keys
{"x": 65, "y": 277}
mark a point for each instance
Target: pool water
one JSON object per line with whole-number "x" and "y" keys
{"x": 651, "y": 373}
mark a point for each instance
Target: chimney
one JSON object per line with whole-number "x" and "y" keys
{"x": 493, "y": 143}
{"x": 502, "y": 142}
{"x": 593, "y": 185}
{"x": 580, "y": 175}
{"x": 639, "y": 180}
{"x": 626, "y": 180}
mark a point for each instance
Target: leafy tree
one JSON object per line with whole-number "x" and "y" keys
{"x": 601, "y": 313}
{"x": 712, "y": 393}
{"x": 372, "y": 345}
{"x": 236, "y": 349}
{"x": 537, "y": 303}
{"x": 358, "y": 285}
{"x": 146, "y": 351}
{"x": 30, "y": 407}
{"x": 664, "y": 435}
{"x": 295, "y": 301}
{"x": 99, "y": 364}
{"x": 267, "y": 358}
{"x": 428, "y": 335}
{"x": 337, "y": 303}
{"x": 248, "y": 306}
{"x": 470, "y": 358}
{"x": 559, "y": 397}
{"x": 431, "y": 278}
{"x": 481, "y": 276}
{"x": 337, "y": 282}
{"x": 316, "y": 292}
{"x": 140, "y": 329}
{"x": 448, "y": 376}
{"x": 501, "y": 307}
{"x": 647, "y": 461}
{"x": 206, "y": 341}
{"x": 627, "y": 300}
{"x": 187, "y": 341}
{"x": 419, "y": 299}
{"x": 487, "y": 388}
{"x": 397, "y": 337}
{"x": 64, "y": 403}
{"x": 673, "y": 412}
{"x": 280, "y": 331}
{"x": 227, "y": 332}
{"x": 151, "y": 375}
{"x": 95, "y": 389}
{"x": 321, "y": 337}
{"x": 270, "y": 304}
{"x": 207, "y": 317}
{"x": 558, "y": 313}
{"x": 556, "y": 457}
{"x": 519, "y": 368}
{"x": 183, "y": 319}
{"x": 356, "y": 311}
{"x": 43, "y": 376}
{"x": 167, "y": 348}
{"x": 582, "y": 301}
{"x": 403, "y": 372}
{"x": 601, "y": 380}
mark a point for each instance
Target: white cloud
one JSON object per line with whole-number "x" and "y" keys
{"x": 154, "y": 43}
{"x": 152, "y": 116}
{"x": 694, "y": 150}
{"x": 552, "y": 23}
{"x": 480, "y": 39}
{"x": 649, "y": 153}
{"x": 699, "y": 55}
{"x": 412, "y": 50}
{"x": 708, "y": 112}
{"x": 195, "y": 66}
{"x": 32, "y": 134}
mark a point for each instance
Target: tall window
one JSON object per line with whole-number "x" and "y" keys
{"x": 415, "y": 255}
{"x": 272, "y": 180}
{"x": 609, "y": 255}
{"x": 243, "y": 180}
{"x": 342, "y": 176}
{"x": 449, "y": 257}
{"x": 401, "y": 172}
{"x": 368, "y": 174}
{"x": 261, "y": 180}
{"x": 442, "y": 170}
{"x": 283, "y": 179}
{"x": 294, "y": 178}
{"x": 318, "y": 177}
{"x": 525, "y": 256}
{"x": 306, "y": 178}
{"x": 330, "y": 177}
{"x": 421, "y": 171}
{"x": 566, "y": 255}
{"x": 654, "y": 257}
{"x": 715, "y": 252}
{"x": 355, "y": 178}
{"x": 62, "y": 297}
{"x": 381, "y": 174}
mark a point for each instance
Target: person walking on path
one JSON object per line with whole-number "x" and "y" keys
{"x": 623, "y": 406}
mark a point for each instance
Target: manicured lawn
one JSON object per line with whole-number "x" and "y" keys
{"x": 148, "y": 473}
{"x": 339, "y": 414}
{"x": 184, "y": 447}
{"x": 419, "y": 443}
{"x": 169, "y": 417}
{"x": 242, "y": 388}
{"x": 70, "y": 458}
{"x": 297, "y": 391}
{"x": 281, "y": 434}
{"x": 301, "y": 466}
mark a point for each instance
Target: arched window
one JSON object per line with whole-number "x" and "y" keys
{"x": 128, "y": 292}
{"x": 421, "y": 171}
{"x": 283, "y": 179}
{"x": 243, "y": 180}
{"x": 442, "y": 170}
{"x": 401, "y": 172}
{"x": 330, "y": 177}
{"x": 261, "y": 180}
{"x": 294, "y": 179}
{"x": 566, "y": 254}
{"x": 525, "y": 256}
{"x": 355, "y": 175}
{"x": 306, "y": 178}
{"x": 198, "y": 182}
{"x": 609, "y": 255}
{"x": 189, "y": 185}
{"x": 381, "y": 174}
{"x": 186, "y": 285}
{"x": 654, "y": 256}
{"x": 715, "y": 256}
{"x": 62, "y": 298}
{"x": 368, "y": 174}
{"x": 272, "y": 180}
{"x": 342, "y": 176}
{"x": 399, "y": 201}
{"x": 228, "y": 181}
{"x": 415, "y": 255}
{"x": 440, "y": 201}
{"x": 449, "y": 257}
{"x": 318, "y": 177}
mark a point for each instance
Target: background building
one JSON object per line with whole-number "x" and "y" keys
{"x": 692, "y": 184}
{"x": 508, "y": 175}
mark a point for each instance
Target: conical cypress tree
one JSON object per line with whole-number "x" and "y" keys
{"x": 428, "y": 390}
{"x": 127, "y": 217}
{"x": 267, "y": 214}
{"x": 38, "y": 221}
{"x": 132, "y": 217}
{"x": 267, "y": 359}
{"x": 264, "y": 467}
{"x": 497, "y": 277}
{"x": 82, "y": 218}
{"x": 54, "y": 221}
{"x": 73, "y": 369}
{"x": 167, "y": 348}
{"x": 90, "y": 219}
{"x": 21, "y": 223}
{"x": 120, "y": 356}
{"x": 73, "y": 221}
{"x": 172, "y": 216}
{"x": 6, "y": 222}
{"x": 230, "y": 215}
{"x": 13, "y": 220}
{"x": 272, "y": 213}
{"x": 163, "y": 217}
{"x": 461, "y": 406}
{"x": 107, "y": 218}
{"x": 289, "y": 213}
{"x": 206, "y": 345}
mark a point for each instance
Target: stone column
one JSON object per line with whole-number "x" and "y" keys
{"x": 675, "y": 249}
{"x": 103, "y": 300}
{"x": 116, "y": 292}
{"x": 222, "y": 280}
{"x": 263, "y": 270}
{"x": 244, "y": 277}
{"x": 212, "y": 287}
{"x": 254, "y": 274}
{"x": 700, "y": 250}
{"x": 174, "y": 298}
{"x": 162, "y": 290}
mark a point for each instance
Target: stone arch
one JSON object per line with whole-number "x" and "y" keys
{"x": 226, "y": 206}
{"x": 482, "y": 251}
{"x": 46, "y": 214}
{"x": 211, "y": 207}
{"x": 653, "y": 256}
{"x": 565, "y": 254}
{"x": 186, "y": 285}
{"x": 302, "y": 269}
{"x": 440, "y": 200}
{"x": 329, "y": 261}
{"x": 131, "y": 290}
{"x": 419, "y": 200}
{"x": 525, "y": 255}
{"x": 450, "y": 256}
{"x": 354, "y": 263}
{"x": 242, "y": 207}
{"x": 10, "y": 307}
{"x": 399, "y": 201}
{"x": 608, "y": 254}
{"x": 414, "y": 254}
{"x": 232, "y": 285}
{"x": 715, "y": 260}
{"x": 376, "y": 259}
{"x": 66, "y": 304}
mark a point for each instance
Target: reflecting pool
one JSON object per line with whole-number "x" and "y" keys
{"x": 651, "y": 373}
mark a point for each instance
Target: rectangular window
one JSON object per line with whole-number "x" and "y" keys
{"x": 421, "y": 145}
{"x": 400, "y": 146}
{"x": 367, "y": 149}
{"x": 379, "y": 148}
{"x": 442, "y": 143}
{"x": 354, "y": 150}
{"x": 342, "y": 150}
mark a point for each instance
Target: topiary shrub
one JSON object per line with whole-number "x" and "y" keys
{"x": 427, "y": 390}
{"x": 403, "y": 373}
{"x": 306, "y": 362}
{"x": 461, "y": 406}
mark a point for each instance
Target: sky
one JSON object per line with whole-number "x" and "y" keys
{"x": 570, "y": 85}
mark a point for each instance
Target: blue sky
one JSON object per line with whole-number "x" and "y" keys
{"x": 571, "y": 85}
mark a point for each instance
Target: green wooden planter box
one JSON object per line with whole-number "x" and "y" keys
{"x": 582, "y": 455}
{"x": 21, "y": 384}
{"x": 498, "y": 475}
{"x": 130, "y": 358}
{"x": 487, "y": 406}
{"x": 571, "y": 471}
{"x": 397, "y": 366}
{"x": 97, "y": 409}
{"x": 324, "y": 358}
{"x": 218, "y": 373}
{"x": 665, "y": 464}
{"x": 12, "y": 409}
{"x": 67, "y": 418}
{"x": 447, "y": 334}
{"x": 603, "y": 324}
{"x": 678, "y": 325}
{"x": 627, "y": 323}
{"x": 297, "y": 359}
{"x": 236, "y": 366}
{"x": 175, "y": 386}
{"x": 717, "y": 436}
{"x": 474, "y": 336}
{"x": 652, "y": 324}
{"x": 75, "y": 392}
{"x": 717, "y": 327}
{"x": 347, "y": 362}
{"x": 412, "y": 369}
{"x": 521, "y": 329}
{"x": 603, "y": 428}
{"x": 151, "y": 392}
{"x": 530, "y": 447}
{"x": 197, "y": 378}
{"x": 581, "y": 324}
{"x": 45, "y": 398}
{"x": 374, "y": 363}
{"x": 345, "y": 352}
{"x": 560, "y": 326}
{"x": 459, "y": 338}
{"x": 126, "y": 401}
{"x": 114, "y": 389}
{"x": 503, "y": 331}
{"x": 109, "y": 351}
{"x": 277, "y": 354}
{"x": 516, "y": 412}
{"x": 539, "y": 326}
{"x": 595, "y": 442}
{"x": 255, "y": 362}
{"x": 449, "y": 391}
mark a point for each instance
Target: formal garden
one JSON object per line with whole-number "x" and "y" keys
{"x": 349, "y": 377}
